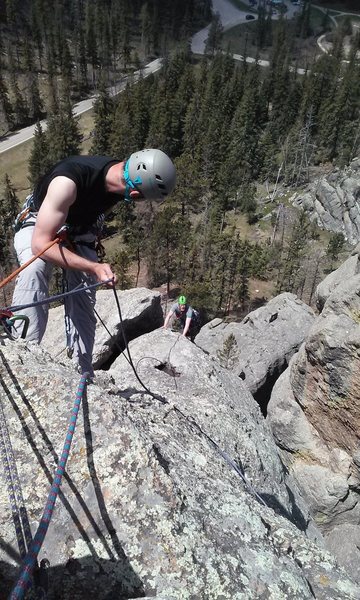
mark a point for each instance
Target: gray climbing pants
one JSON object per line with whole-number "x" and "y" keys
{"x": 32, "y": 285}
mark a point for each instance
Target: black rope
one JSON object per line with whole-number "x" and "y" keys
{"x": 80, "y": 288}
{"x": 190, "y": 420}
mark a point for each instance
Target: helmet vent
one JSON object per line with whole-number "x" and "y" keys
{"x": 141, "y": 166}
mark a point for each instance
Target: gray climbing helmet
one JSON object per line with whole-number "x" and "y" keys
{"x": 151, "y": 172}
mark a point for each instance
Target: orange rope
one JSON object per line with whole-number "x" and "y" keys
{"x": 26, "y": 264}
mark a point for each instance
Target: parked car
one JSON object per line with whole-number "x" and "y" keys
{"x": 249, "y": 17}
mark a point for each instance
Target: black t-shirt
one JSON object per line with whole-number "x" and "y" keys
{"x": 92, "y": 199}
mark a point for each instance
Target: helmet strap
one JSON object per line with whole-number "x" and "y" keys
{"x": 130, "y": 185}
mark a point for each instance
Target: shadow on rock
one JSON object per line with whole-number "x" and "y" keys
{"x": 90, "y": 577}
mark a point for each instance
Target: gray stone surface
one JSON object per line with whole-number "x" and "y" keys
{"x": 336, "y": 279}
{"x": 149, "y": 507}
{"x": 141, "y": 312}
{"x": 266, "y": 338}
{"x": 314, "y": 415}
{"x": 333, "y": 202}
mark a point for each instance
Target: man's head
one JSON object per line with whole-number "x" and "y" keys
{"x": 151, "y": 173}
{"x": 182, "y": 303}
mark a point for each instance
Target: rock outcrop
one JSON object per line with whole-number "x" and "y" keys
{"x": 314, "y": 413}
{"x": 265, "y": 341}
{"x": 159, "y": 497}
{"x": 336, "y": 279}
{"x": 333, "y": 202}
{"x": 141, "y": 312}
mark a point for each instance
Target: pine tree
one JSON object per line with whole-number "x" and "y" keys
{"x": 146, "y": 28}
{"x": 304, "y": 29}
{"x": 63, "y": 135}
{"x": 91, "y": 40}
{"x": 161, "y": 118}
{"x": 268, "y": 153}
{"x": 214, "y": 39}
{"x": 244, "y": 272}
{"x": 289, "y": 277}
{"x": 80, "y": 60}
{"x": 341, "y": 111}
{"x": 141, "y": 112}
{"x": 121, "y": 262}
{"x": 103, "y": 108}
{"x": 35, "y": 29}
{"x": 300, "y": 151}
{"x": 259, "y": 261}
{"x": 121, "y": 140}
{"x": 164, "y": 244}
{"x": 20, "y": 108}
{"x": 6, "y": 111}
{"x": 36, "y": 108}
{"x": 9, "y": 206}
{"x": 334, "y": 247}
{"x": 228, "y": 355}
{"x": 39, "y": 161}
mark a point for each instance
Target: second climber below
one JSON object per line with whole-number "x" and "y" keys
{"x": 77, "y": 192}
{"x": 187, "y": 316}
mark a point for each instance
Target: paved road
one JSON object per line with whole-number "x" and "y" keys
{"x": 18, "y": 137}
{"x": 231, "y": 16}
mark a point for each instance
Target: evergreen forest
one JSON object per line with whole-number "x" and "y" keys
{"x": 236, "y": 131}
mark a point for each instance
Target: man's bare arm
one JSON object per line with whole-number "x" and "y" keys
{"x": 52, "y": 216}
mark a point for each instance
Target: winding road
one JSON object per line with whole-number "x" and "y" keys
{"x": 229, "y": 16}
{"x": 18, "y": 137}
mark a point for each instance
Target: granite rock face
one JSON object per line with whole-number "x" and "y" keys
{"x": 314, "y": 413}
{"x": 333, "y": 202}
{"x": 164, "y": 490}
{"x": 336, "y": 279}
{"x": 265, "y": 339}
{"x": 141, "y": 312}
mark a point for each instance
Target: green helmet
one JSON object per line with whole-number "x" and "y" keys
{"x": 182, "y": 300}
{"x": 150, "y": 172}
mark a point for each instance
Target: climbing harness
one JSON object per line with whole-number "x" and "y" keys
{"x": 30, "y": 559}
{"x": 23, "y": 218}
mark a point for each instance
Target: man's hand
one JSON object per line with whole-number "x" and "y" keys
{"x": 103, "y": 272}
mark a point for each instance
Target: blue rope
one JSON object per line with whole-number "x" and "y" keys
{"x": 58, "y": 296}
{"x": 17, "y": 504}
{"x": 30, "y": 560}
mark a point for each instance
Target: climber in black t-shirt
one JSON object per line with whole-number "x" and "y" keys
{"x": 77, "y": 192}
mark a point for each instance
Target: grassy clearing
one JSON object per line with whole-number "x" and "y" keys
{"x": 15, "y": 162}
{"x": 242, "y": 39}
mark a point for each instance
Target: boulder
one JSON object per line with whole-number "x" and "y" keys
{"x": 264, "y": 340}
{"x": 335, "y": 279}
{"x": 141, "y": 312}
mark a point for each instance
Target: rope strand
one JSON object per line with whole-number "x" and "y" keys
{"x": 30, "y": 560}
